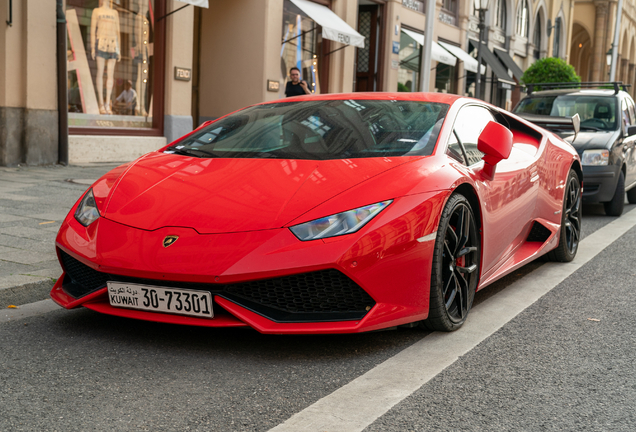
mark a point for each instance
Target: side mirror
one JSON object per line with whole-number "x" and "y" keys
{"x": 631, "y": 130}
{"x": 496, "y": 142}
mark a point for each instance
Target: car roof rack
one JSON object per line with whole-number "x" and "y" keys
{"x": 617, "y": 85}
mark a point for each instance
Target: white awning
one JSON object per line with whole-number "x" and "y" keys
{"x": 200, "y": 3}
{"x": 438, "y": 53}
{"x": 470, "y": 63}
{"x": 333, "y": 27}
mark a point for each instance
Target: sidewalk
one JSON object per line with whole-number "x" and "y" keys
{"x": 33, "y": 203}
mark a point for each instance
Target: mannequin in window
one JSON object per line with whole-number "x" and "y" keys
{"x": 105, "y": 50}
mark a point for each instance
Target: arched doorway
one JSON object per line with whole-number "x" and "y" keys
{"x": 581, "y": 52}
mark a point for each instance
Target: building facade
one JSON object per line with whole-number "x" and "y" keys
{"x": 593, "y": 34}
{"x": 141, "y": 73}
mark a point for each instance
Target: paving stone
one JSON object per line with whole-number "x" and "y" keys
{"x": 29, "y": 198}
{"x": 26, "y": 232}
{"x": 20, "y": 243}
{"x": 15, "y": 280}
{"x": 27, "y": 257}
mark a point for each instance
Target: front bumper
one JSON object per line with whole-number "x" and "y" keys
{"x": 599, "y": 182}
{"x": 268, "y": 280}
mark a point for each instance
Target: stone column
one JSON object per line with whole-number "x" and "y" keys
{"x": 630, "y": 78}
{"x": 600, "y": 30}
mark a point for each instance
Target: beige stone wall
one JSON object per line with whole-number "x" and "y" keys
{"x": 28, "y": 56}
{"x": 272, "y": 39}
{"x": 179, "y": 36}
{"x": 341, "y": 63}
{"x": 233, "y": 53}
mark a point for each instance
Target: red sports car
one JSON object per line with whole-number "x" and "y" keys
{"x": 338, "y": 213}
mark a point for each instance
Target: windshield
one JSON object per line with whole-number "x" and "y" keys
{"x": 320, "y": 130}
{"x": 596, "y": 112}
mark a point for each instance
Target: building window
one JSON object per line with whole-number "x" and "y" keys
{"x": 523, "y": 18}
{"x": 410, "y": 60}
{"x": 302, "y": 46}
{"x": 111, "y": 64}
{"x": 450, "y": 5}
{"x": 448, "y": 13}
{"x": 536, "y": 40}
{"x": 500, "y": 14}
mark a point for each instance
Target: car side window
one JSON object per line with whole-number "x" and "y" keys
{"x": 455, "y": 150}
{"x": 630, "y": 108}
{"x": 625, "y": 112}
{"x": 469, "y": 124}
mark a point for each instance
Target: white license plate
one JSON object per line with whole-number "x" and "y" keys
{"x": 160, "y": 299}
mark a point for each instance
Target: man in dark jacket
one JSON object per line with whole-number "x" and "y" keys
{"x": 296, "y": 87}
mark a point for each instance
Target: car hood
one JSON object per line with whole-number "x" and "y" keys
{"x": 231, "y": 195}
{"x": 592, "y": 140}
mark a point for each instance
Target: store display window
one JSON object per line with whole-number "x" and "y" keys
{"x": 409, "y": 68}
{"x": 302, "y": 47}
{"x": 445, "y": 78}
{"x": 112, "y": 64}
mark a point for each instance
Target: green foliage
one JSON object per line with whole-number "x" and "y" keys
{"x": 403, "y": 88}
{"x": 550, "y": 70}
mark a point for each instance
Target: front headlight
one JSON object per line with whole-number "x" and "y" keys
{"x": 595, "y": 157}
{"x": 339, "y": 224}
{"x": 87, "y": 212}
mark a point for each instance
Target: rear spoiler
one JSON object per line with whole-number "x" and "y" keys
{"x": 555, "y": 124}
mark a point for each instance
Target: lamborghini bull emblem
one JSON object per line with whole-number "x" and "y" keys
{"x": 169, "y": 240}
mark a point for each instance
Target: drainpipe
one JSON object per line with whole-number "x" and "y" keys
{"x": 62, "y": 93}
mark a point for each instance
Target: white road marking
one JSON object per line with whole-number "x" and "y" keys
{"x": 28, "y": 310}
{"x": 358, "y": 404}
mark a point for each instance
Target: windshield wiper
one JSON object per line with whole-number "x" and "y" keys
{"x": 190, "y": 152}
{"x": 591, "y": 128}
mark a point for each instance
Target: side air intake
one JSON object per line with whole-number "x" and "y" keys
{"x": 539, "y": 233}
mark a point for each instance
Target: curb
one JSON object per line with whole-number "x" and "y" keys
{"x": 26, "y": 293}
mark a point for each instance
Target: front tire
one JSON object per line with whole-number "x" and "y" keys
{"x": 570, "y": 233}
{"x": 455, "y": 271}
{"x": 615, "y": 206}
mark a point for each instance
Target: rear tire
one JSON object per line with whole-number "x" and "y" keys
{"x": 570, "y": 233}
{"x": 455, "y": 270}
{"x": 616, "y": 205}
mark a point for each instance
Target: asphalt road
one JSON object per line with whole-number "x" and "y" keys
{"x": 550, "y": 368}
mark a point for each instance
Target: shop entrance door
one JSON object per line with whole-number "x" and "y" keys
{"x": 368, "y": 58}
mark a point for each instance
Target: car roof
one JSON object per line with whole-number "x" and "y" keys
{"x": 578, "y": 92}
{"x": 445, "y": 98}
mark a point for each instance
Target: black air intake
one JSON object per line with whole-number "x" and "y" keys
{"x": 325, "y": 295}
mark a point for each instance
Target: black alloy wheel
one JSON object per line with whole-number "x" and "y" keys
{"x": 570, "y": 235}
{"x": 455, "y": 271}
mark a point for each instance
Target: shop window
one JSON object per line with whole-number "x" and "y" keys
{"x": 112, "y": 66}
{"x": 409, "y": 68}
{"x": 523, "y": 19}
{"x": 446, "y": 78}
{"x": 471, "y": 77}
{"x": 302, "y": 47}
